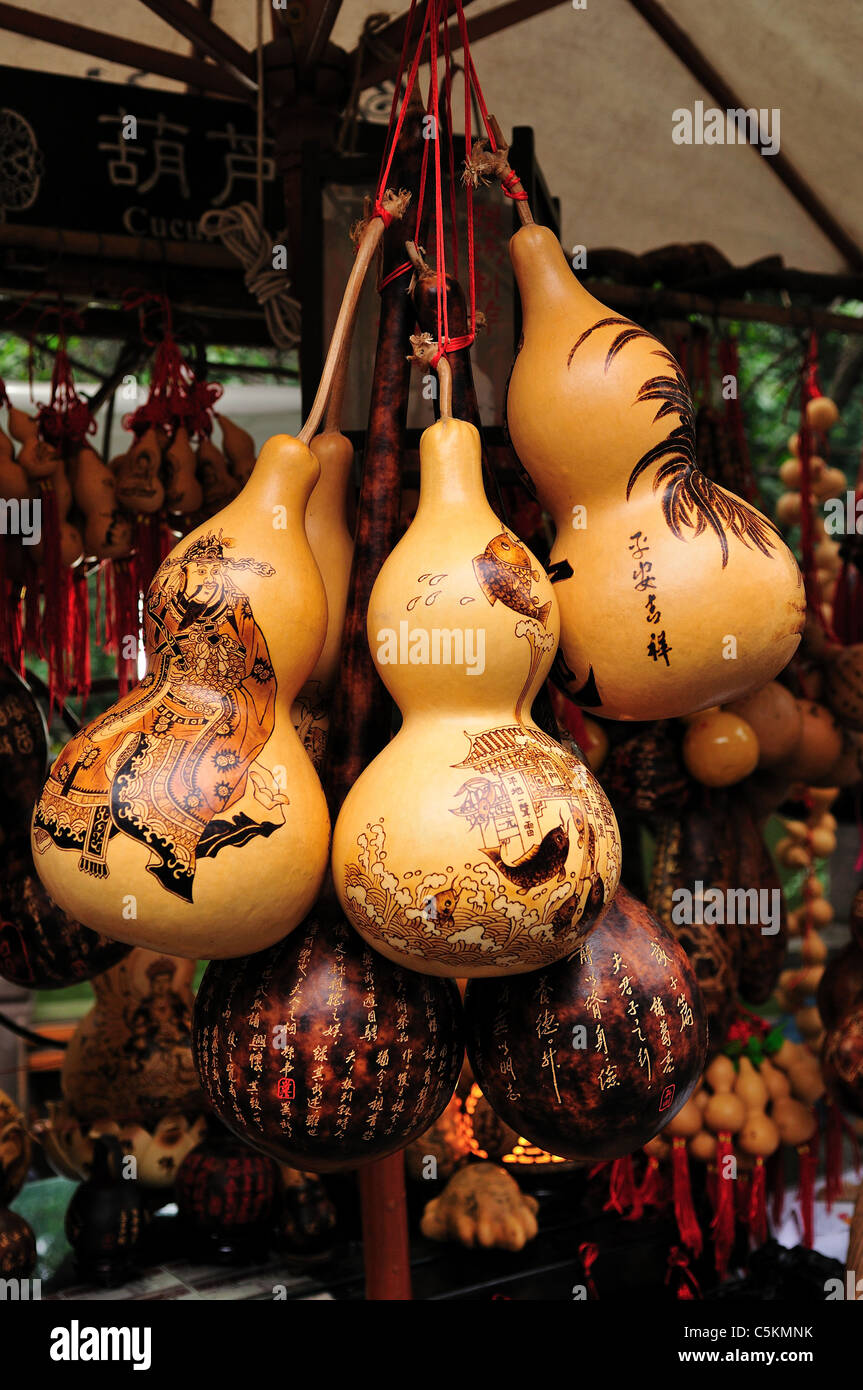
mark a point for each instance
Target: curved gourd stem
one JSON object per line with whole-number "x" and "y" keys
{"x": 372, "y": 232}
{"x": 444, "y": 377}
{"x": 333, "y": 419}
{"x": 483, "y": 164}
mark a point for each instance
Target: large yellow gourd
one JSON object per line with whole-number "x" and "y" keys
{"x": 333, "y": 548}
{"x": 188, "y": 818}
{"x": 473, "y": 844}
{"x": 681, "y": 595}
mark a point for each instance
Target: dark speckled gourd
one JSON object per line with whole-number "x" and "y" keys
{"x": 591, "y": 1057}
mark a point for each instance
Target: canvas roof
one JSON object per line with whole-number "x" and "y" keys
{"x": 600, "y": 88}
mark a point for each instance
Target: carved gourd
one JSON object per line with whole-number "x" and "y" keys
{"x": 183, "y": 493}
{"x": 212, "y": 471}
{"x": 238, "y": 447}
{"x": 139, "y": 487}
{"x": 13, "y": 480}
{"x": 188, "y": 817}
{"x": 107, "y": 530}
{"x": 38, "y": 458}
{"x": 332, "y": 546}
{"x": 590, "y": 1058}
{"x": 681, "y": 595}
{"x": 473, "y": 844}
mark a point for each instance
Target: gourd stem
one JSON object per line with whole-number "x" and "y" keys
{"x": 339, "y": 347}
{"x": 333, "y": 420}
{"x": 444, "y": 376}
{"x": 504, "y": 172}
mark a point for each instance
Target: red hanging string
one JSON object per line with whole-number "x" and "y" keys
{"x": 722, "y": 1226}
{"x": 832, "y": 1155}
{"x": 808, "y": 1155}
{"x": 589, "y": 1254}
{"x": 684, "y": 1211}
{"x": 776, "y": 1183}
{"x": 678, "y": 1263}
{"x": 621, "y": 1185}
{"x": 756, "y": 1216}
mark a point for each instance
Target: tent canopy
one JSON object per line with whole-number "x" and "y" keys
{"x": 600, "y": 87}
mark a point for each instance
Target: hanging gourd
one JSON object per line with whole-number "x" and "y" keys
{"x": 322, "y": 1053}
{"x": 188, "y": 818}
{"x": 130, "y": 1057}
{"x": 591, "y": 1057}
{"x": 473, "y": 844}
{"x": 332, "y": 546}
{"x": 680, "y": 594}
{"x": 41, "y": 947}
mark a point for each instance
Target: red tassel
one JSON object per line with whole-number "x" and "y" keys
{"x": 589, "y": 1254}
{"x": 757, "y": 1214}
{"x": 776, "y": 1183}
{"x": 650, "y": 1193}
{"x": 621, "y": 1185}
{"x": 832, "y": 1155}
{"x": 722, "y": 1226}
{"x": 684, "y": 1211}
{"x": 678, "y": 1261}
{"x": 808, "y": 1168}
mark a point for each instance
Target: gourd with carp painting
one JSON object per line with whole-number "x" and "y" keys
{"x": 473, "y": 844}
{"x": 188, "y": 817}
{"x": 666, "y": 566}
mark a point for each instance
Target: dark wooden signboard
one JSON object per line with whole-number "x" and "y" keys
{"x": 123, "y": 160}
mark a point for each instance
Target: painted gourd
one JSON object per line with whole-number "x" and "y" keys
{"x": 842, "y": 1060}
{"x": 183, "y": 493}
{"x": 218, "y": 487}
{"x": 14, "y": 1150}
{"x": 130, "y": 1058}
{"x": 23, "y": 760}
{"x": 226, "y": 1195}
{"x": 17, "y": 1246}
{"x": 41, "y": 947}
{"x": 189, "y": 818}
{"x": 591, "y": 1057}
{"x": 473, "y": 843}
{"x": 333, "y": 547}
{"x": 322, "y": 1053}
{"x": 238, "y": 446}
{"x": 107, "y": 1216}
{"x": 667, "y": 567}
{"x": 139, "y": 487}
{"x": 107, "y": 530}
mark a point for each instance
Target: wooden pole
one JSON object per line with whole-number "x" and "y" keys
{"x": 360, "y": 717}
{"x": 386, "y": 1249}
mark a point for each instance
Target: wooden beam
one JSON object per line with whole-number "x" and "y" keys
{"x": 703, "y": 70}
{"x": 480, "y": 27}
{"x": 207, "y": 36}
{"x": 113, "y": 49}
{"x": 322, "y": 15}
{"x": 676, "y": 304}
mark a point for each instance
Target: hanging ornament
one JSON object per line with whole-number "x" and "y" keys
{"x": 436, "y": 874}
{"x": 323, "y": 1054}
{"x": 591, "y": 1057}
{"x": 600, "y": 415}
